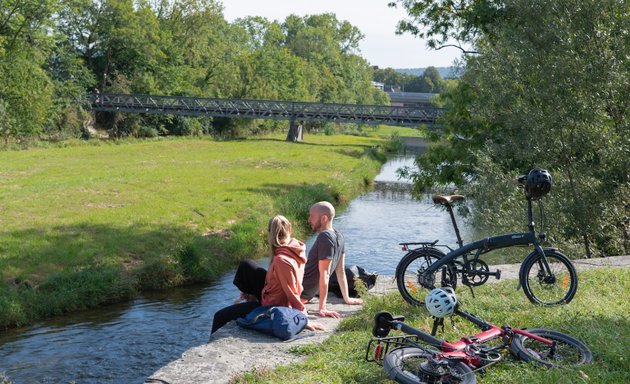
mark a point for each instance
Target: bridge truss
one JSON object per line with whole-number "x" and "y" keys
{"x": 267, "y": 109}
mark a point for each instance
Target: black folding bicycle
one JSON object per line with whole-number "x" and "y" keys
{"x": 546, "y": 275}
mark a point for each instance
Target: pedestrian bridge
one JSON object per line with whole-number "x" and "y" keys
{"x": 267, "y": 109}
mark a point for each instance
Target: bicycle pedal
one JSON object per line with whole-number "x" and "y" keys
{"x": 497, "y": 274}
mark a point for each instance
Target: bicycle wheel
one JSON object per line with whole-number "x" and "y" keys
{"x": 568, "y": 350}
{"x": 410, "y": 365}
{"x": 412, "y": 265}
{"x": 559, "y": 288}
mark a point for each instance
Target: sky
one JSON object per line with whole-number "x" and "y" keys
{"x": 381, "y": 46}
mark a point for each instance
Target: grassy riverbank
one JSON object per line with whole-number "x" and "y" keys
{"x": 93, "y": 223}
{"x": 598, "y": 316}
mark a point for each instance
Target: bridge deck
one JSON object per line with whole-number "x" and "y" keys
{"x": 267, "y": 109}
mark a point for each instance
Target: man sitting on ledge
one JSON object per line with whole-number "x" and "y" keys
{"x": 325, "y": 256}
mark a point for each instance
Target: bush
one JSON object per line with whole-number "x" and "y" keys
{"x": 158, "y": 274}
{"x": 185, "y": 126}
{"x": 192, "y": 264}
{"x": 147, "y": 132}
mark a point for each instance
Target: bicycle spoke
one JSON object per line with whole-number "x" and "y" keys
{"x": 409, "y": 274}
{"x": 554, "y": 288}
{"x": 565, "y": 352}
{"x": 413, "y": 365}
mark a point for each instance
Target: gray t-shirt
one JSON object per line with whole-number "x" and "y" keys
{"x": 328, "y": 245}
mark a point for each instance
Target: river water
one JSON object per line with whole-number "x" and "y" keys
{"x": 126, "y": 343}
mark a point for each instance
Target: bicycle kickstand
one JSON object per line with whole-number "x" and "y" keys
{"x": 472, "y": 291}
{"x": 465, "y": 282}
{"x": 437, "y": 321}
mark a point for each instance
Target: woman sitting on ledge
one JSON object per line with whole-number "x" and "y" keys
{"x": 280, "y": 286}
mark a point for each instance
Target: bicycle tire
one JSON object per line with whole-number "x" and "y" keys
{"x": 569, "y": 350}
{"x": 560, "y": 289}
{"x": 407, "y": 274}
{"x": 404, "y": 366}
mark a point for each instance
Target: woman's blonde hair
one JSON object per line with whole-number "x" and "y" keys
{"x": 279, "y": 233}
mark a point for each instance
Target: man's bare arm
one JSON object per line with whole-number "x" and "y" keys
{"x": 324, "y": 278}
{"x": 343, "y": 282}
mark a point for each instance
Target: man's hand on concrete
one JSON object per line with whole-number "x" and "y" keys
{"x": 353, "y": 301}
{"x": 312, "y": 326}
{"x": 326, "y": 313}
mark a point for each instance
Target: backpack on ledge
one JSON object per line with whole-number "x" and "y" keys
{"x": 282, "y": 322}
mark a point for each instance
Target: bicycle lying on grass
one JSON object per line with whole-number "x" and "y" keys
{"x": 419, "y": 357}
{"x": 547, "y": 276}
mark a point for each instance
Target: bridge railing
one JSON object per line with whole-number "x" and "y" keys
{"x": 266, "y": 109}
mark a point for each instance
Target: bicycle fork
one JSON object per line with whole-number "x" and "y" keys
{"x": 543, "y": 264}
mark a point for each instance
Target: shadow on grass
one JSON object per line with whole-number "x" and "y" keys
{"x": 71, "y": 268}
{"x": 303, "y": 143}
{"x": 77, "y": 246}
{"x": 359, "y": 152}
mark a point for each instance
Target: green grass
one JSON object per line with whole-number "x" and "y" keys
{"x": 83, "y": 225}
{"x": 599, "y": 316}
{"x": 385, "y": 131}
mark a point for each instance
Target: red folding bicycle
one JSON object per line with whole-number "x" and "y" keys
{"x": 419, "y": 357}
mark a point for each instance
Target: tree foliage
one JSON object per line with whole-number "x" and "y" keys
{"x": 54, "y": 52}
{"x": 25, "y": 88}
{"x": 429, "y": 82}
{"x": 447, "y": 23}
{"x": 556, "y": 97}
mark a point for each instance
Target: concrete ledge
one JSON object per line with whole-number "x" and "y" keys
{"x": 233, "y": 350}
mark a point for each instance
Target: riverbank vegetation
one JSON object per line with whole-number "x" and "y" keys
{"x": 546, "y": 84}
{"x": 97, "y": 222}
{"x": 598, "y": 316}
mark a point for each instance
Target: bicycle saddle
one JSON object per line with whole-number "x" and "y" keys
{"x": 447, "y": 199}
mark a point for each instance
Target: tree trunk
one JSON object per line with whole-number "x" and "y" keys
{"x": 296, "y": 131}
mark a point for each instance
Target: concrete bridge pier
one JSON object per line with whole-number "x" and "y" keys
{"x": 296, "y": 131}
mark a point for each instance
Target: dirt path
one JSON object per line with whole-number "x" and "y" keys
{"x": 233, "y": 350}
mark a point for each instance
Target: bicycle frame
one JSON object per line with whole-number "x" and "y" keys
{"x": 486, "y": 245}
{"x": 465, "y": 349}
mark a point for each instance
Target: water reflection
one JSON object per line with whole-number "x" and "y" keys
{"x": 117, "y": 344}
{"x": 125, "y": 343}
{"x": 376, "y": 222}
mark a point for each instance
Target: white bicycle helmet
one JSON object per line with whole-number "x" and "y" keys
{"x": 441, "y": 302}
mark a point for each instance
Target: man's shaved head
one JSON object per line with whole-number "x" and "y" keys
{"x": 324, "y": 208}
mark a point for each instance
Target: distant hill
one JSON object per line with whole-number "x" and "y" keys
{"x": 445, "y": 72}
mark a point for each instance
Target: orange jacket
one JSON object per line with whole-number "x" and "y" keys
{"x": 283, "y": 283}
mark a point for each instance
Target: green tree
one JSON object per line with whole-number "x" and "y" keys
{"x": 450, "y": 23}
{"x": 274, "y": 71}
{"x": 432, "y": 78}
{"x": 25, "y": 87}
{"x": 430, "y": 81}
{"x": 71, "y": 79}
{"x": 161, "y": 47}
{"x": 555, "y": 97}
{"x": 330, "y": 47}
{"x": 311, "y": 58}
{"x": 390, "y": 76}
